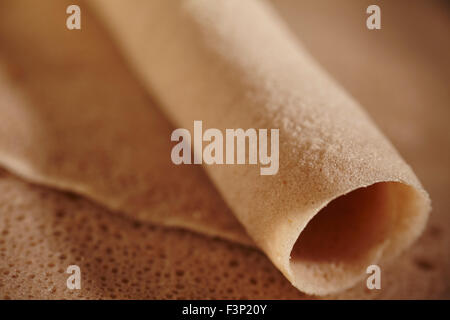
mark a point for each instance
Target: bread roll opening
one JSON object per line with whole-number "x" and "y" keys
{"x": 352, "y": 232}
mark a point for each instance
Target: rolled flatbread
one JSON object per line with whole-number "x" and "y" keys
{"x": 343, "y": 198}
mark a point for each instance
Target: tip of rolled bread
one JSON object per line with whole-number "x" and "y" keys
{"x": 363, "y": 227}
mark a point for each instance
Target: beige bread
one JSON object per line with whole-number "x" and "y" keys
{"x": 74, "y": 118}
{"x": 404, "y": 88}
{"x": 234, "y": 64}
{"x": 44, "y": 231}
{"x": 57, "y": 225}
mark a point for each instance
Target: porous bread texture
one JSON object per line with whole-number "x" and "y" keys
{"x": 43, "y": 231}
{"x": 218, "y": 68}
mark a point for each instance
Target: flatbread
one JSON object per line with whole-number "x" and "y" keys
{"x": 44, "y": 231}
{"x": 30, "y": 269}
{"x": 405, "y": 89}
{"x": 75, "y": 119}
{"x": 343, "y": 198}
